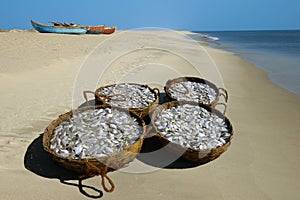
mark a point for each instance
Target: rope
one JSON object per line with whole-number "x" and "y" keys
{"x": 225, "y": 94}
{"x": 103, "y": 176}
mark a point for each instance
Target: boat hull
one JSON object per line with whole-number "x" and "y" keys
{"x": 100, "y": 29}
{"x": 109, "y": 30}
{"x": 57, "y": 29}
{"x": 95, "y": 29}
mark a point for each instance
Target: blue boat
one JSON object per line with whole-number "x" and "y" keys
{"x": 63, "y": 29}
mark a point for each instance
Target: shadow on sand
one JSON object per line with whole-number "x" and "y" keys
{"x": 154, "y": 154}
{"x": 38, "y": 161}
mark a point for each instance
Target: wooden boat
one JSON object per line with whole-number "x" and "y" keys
{"x": 95, "y": 29}
{"x": 100, "y": 29}
{"x": 109, "y": 30}
{"x": 59, "y": 28}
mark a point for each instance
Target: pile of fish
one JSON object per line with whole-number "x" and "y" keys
{"x": 95, "y": 133}
{"x": 192, "y": 126}
{"x": 193, "y": 91}
{"x": 128, "y": 95}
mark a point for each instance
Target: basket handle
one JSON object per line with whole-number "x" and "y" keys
{"x": 156, "y": 90}
{"x": 112, "y": 185}
{"x": 85, "y": 96}
{"x": 225, "y": 107}
{"x": 223, "y": 92}
{"x": 92, "y": 170}
{"x": 150, "y": 132}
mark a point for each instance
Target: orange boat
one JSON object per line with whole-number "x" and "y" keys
{"x": 109, "y": 30}
{"x": 100, "y": 29}
{"x": 96, "y": 28}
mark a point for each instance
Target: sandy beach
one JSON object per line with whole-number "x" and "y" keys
{"x": 43, "y": 76}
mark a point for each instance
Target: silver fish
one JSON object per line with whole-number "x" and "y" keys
{"x": 202, "y": 130}
{"x": 95, "y": 134}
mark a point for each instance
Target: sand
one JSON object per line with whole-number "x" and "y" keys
{"x": 43, "y": 75}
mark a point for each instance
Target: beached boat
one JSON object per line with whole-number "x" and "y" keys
{"x": 95, "y": 29}
{"x": 59, "y": 28}
{"x": 100, "y": 29}
{"x": 109, "y": 30}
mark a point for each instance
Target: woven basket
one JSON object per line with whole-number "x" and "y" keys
{"x": 93, "y": 166}
{"x": 219, "y": 91}
{"x": 198, "y": 156}
{"x": 141, "y": 112}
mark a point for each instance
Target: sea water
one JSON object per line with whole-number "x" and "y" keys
{"x": 277, "y": 52}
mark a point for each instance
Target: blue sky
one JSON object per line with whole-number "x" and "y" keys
{"x": 173, "y": 14}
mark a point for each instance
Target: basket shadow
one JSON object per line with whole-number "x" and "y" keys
{"x": 163, "y": 98}
{"x": 154, "y": 154}
{"x": 88, "y": 103}
{"x": 38, "y": 161}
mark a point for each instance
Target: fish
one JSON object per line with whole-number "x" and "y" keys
{"x": 128, "y": 95}
{"x": 193, "y": 91}
{"x": 95, "y": 136}
{"x": 204, "y": 130}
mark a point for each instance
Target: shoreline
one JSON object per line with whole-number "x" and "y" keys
{"x": 282, "y": 67}
{"x": 261, "y": 163}
{"x": 270, "y": 75}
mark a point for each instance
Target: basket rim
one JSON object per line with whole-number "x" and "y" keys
{"x": 63, "y": 117}
{"x": 98, "y": 97}
{"x": 210, "y": 109}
